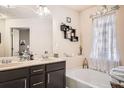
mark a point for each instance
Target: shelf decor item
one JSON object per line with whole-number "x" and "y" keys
{"x": 85, "y": 64}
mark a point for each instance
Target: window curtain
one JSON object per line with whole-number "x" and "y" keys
{"x": 104, "y": 54}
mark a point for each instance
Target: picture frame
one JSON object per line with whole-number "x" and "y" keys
{"x": 68, "y": 19}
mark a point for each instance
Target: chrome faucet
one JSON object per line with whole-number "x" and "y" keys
{"x": 25, "y": 56}
{"x": 45, "y": 56}
{"x": 6, "y": 61}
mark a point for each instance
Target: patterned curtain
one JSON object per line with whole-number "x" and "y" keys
{"x": 104, "y": 55}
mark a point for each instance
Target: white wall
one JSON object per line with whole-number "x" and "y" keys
{"x": 40, "y": 34}
{"x": 86, "y": 30}
{"x": 2, "y": 30}
{"x": 61, "y": 45}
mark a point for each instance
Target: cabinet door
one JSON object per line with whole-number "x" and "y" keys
{"x": 56, "y": 79}
{"x": 20, "y": 83}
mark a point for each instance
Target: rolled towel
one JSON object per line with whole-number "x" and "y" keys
{"x": 117, "y": 76}
{"x": 118, "y": 73}
{"x": 118, "y": 69}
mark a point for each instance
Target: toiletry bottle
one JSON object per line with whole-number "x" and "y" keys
{"x": 31, "y": 56}
{"x": 46, "y": 54}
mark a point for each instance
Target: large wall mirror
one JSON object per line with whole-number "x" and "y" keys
{"x": 23, "y": 29}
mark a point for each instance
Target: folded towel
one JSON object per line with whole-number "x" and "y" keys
{"x": 117, "y": 76}
{"x": 118, "y": 73}
{"x": 118, "y": 69}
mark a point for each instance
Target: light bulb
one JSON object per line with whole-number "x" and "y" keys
{"x": 40, "y": 10}
{"x": 46, "y": 10}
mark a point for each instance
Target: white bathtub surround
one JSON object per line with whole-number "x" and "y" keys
{"x": 74, "y": 61}
{"x": 104, "y": 55}
{"x": 87, "y": 78}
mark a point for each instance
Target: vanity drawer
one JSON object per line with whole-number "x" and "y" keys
{"x": 13, "y": 74}
{"x": 37, "y": 69}
{"x": 37, "y": 81}
{"x": 55, "y": 66}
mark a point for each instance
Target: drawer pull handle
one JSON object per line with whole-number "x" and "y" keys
{"x": 38, "y": 83}
{"x": 25, "y": 80}
{"x": 48, "y": 78}
{"x": 39, "y": 70}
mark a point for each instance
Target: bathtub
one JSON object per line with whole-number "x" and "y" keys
{"x": 86, "y": 78}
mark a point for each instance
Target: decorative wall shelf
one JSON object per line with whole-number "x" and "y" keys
{"x": 69, "y": 32}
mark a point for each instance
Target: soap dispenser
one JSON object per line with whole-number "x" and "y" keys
{"x": 31, "y": 56}
{"x": 45, "y": 55}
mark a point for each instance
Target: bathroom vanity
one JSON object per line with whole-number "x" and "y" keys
{"x": 40, "y": 74}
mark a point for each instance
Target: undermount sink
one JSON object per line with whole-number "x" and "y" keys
{"x": 47, "y": 59}
{"x": 9, "y": 65}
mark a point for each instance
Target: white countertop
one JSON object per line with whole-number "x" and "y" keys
{"x": 19, "y": 64}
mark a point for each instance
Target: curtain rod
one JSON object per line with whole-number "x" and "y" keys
{"x": 107, "y": 13}
{"x": 97, "y": 16}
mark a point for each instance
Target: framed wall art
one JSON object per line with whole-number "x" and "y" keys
{"x": 68, "y": 19}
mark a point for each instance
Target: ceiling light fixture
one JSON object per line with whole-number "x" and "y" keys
{"x": 42, "y": 10}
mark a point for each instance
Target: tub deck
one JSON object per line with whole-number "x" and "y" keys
{"x": 86, "y": 78}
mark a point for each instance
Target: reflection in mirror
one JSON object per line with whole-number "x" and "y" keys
{"x": 20, "y": 40}
{"x": 22, "y": 28}
{"x": 2, "y": 30}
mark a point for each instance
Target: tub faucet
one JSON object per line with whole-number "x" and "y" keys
{"x": 66, "y": 55}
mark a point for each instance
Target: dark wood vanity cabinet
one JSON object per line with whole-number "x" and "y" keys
{"x": 17, "y": 78}
{"x": 19, "y": 83}
{"x": 40, "y": 76}
{"x": 55, "y": 75}
{"x": 55, "y": 79}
